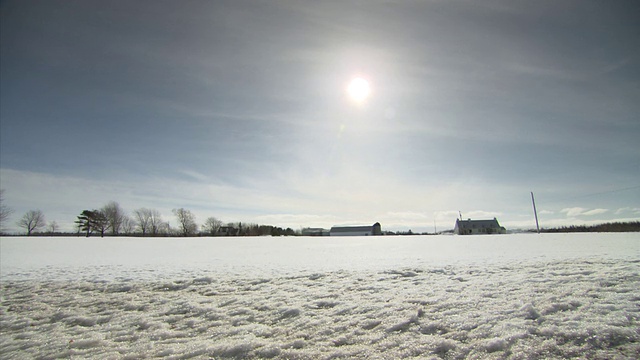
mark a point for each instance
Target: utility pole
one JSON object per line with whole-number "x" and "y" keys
{"x": 535, "y": 212}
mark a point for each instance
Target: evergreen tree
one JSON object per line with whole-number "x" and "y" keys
{"x": 92, "y": 220}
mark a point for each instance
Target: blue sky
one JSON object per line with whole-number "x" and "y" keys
{"x": 238, "y": 110}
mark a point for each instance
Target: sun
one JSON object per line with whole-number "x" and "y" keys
{"x": 359, "y": 89}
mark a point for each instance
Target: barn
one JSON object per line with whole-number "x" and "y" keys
{"x": 366, "y": 230}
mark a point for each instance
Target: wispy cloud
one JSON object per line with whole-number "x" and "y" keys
{"x": 574, "y": 211}
{"x": 627, "y": 210}
{"x": 578, "y": 211}
{"x": 195, "y": 175}
{"x": 595, "y": 212}
{"x": 616, "y": 65}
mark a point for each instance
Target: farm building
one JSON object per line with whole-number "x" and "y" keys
{"x": 473, "y": 227}
{"x": 227, "y": 231}
{"x": 315, "y": 232}
{"x": 356, "y": 230}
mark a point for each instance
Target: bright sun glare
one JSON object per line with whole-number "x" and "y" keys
{"x": 359, "y": 89}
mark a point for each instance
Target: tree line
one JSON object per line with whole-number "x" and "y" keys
{"x": 633, "y": 226}
{"x": 112, "y": 220}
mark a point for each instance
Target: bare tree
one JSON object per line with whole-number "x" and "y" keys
{"x": 149, "y": 221}
{"x": 186, "y": 221}
{"x": 142, "y": 218}
{"x": 5, "y": 211}
{"x": 115, "y": 215}
{"x": 128, "y": 225}
{"x": 32, "y": 221}
{"x": 156, "y": 224}
{"x": 100, "y": 222}
{"x": 52, "y": 227}
{"x": 163, "y": 228}
{"x": 211, "y": 225}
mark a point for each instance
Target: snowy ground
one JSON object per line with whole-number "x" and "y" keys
{"x": 510, "y": 296}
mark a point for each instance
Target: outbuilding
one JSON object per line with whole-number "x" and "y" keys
{"x": 315, "y": 232}
{"x": 227, "y": 231}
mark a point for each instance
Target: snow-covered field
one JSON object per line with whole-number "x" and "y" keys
{"x": 509, "y": 296}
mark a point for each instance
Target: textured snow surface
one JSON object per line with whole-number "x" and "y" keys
{"x": 548, "y": 305}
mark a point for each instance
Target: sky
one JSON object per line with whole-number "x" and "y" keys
{"x": 239, "y": 110}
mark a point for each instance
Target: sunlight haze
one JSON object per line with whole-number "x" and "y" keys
{"x": 359, "y": 89}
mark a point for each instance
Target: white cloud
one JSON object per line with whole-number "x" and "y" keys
{"x": 578, "y": 211}
{"x": 628, "y": 210}
{"x": 595, "y": 212}
{"x": 574, "y": 211}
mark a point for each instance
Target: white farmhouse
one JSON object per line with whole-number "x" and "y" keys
{"x": 473, "y": 227}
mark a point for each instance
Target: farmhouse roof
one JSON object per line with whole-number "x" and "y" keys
{"x": 478, "y": 223}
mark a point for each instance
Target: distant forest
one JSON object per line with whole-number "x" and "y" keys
{"x": 608, "y": 227}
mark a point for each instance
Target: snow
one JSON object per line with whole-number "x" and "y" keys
{"x": 505, "y": 296}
